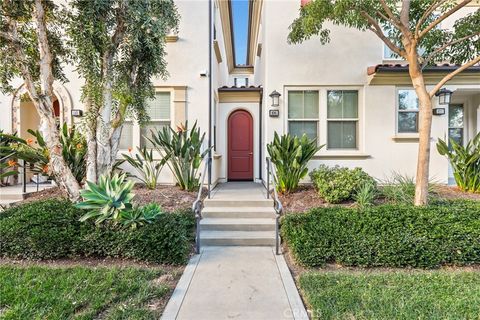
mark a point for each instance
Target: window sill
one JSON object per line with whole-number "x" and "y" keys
{"x": 356, "y": 155}
{"x": 406, "y": 137}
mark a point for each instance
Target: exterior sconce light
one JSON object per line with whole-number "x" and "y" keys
{"x": 275, "y": 98}
{"x": 444, "y": 96}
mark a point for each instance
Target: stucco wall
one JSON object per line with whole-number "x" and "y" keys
{"x": 343, "y": 63}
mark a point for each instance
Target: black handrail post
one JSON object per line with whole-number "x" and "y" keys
{"x": 24, "y": 178}
{"x": 268, "y": 178}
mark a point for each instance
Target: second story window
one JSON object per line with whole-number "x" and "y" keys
{"x": 407, "y": 118}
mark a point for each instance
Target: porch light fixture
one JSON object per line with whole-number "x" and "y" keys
{"x": 275, "y": 98}
{"x": 444, "y": 96}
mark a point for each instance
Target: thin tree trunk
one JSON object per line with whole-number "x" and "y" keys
{"x": 424, "y": 130}
{"x": 44, "y": 105}
{"x": 91, "y": 131}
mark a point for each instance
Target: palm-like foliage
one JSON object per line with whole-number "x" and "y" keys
{"x": 183, "y": 153}
{"x": 107, "y": 200}
{"x": 8, "y": 163}
{"x": 148, "y": 170}
{"x": 291, "y": 154}
{"x": 74, "y": 148}
{"x": 140, "y": 216}
{"x": 465, "y": 162}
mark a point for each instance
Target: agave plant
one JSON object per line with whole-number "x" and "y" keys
{"x": 465, "y": 161}
{"x": 108, "y": 199}
{"x": 148, "y": 170}
{"x": 291, "y": 154}
{"x": 140, "y": 216}
{"x": 183, "y": 153}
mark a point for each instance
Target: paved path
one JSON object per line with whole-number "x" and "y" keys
{"x": 239, "y": 191}
{"x": 236, "y": 283}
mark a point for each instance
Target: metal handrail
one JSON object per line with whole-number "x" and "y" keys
{"x": 277, "y": 204}
{"x": 6, "y": 157}
{"x": 198, "y": 204}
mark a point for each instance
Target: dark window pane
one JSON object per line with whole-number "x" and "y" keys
{"x": 342, "y": 135}
{"x": 455, "y": 135}
{"x": 298, "y": 128}
{"x": 146, "y": 132}
{"x": 455, "y": 116}
{"x": 407, "y": 122}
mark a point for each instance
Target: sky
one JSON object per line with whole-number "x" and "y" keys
{"x": 240, "y": 30}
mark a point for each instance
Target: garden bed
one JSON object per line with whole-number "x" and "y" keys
{"x": 170, "y": 198}
{"x": 53, "y": 291}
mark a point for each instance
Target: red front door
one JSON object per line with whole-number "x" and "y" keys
{"x": 240, "y": 146}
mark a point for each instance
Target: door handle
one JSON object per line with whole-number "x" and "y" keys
{"x": 251, "y": 153}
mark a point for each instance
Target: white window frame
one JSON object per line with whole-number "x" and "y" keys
{"x": 397, "y": 112}
{"x": 136, "y": 130}
{"x": 356, "y": 120}
{"x": 322, "y": 130}
{"x": 316, "y": 120}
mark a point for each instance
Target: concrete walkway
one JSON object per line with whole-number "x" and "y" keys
{"x": 236, "y": 283}
{"x": 239, "y": 191}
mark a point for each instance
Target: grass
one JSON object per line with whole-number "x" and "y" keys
{"x": 39, "y": 292}
{"x": 392, "y": 295}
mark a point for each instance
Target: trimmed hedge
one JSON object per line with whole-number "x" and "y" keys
{"x": 51, "y": 230}
{"x": 446, "y": 233}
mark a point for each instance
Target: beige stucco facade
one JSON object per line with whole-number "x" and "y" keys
{"x": 276, "y": 65}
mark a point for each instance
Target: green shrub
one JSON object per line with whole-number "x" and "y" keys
{"x": 183, "y": 155}
{"x": 74, "y": 150}
{"x": 140, "y": 216}
{"x": 401, "y": 189}
{"x": 148, "y": 170}
{"x": 465, "y": 162}
{"x": 290, "y": 155}
{"x": 365, "y": 195}
{"x": 337, "y": 184}
{"x": 444, "y": 233}
{"x": 107, "y": 200}
{"x": 51, "y": 230}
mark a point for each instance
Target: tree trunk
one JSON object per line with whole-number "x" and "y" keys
{"x": 61, "y": 172}
{"x": 91, "y": 149}
{"x": 424, "y": 130}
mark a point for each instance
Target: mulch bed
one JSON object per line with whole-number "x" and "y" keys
{"x": 304, "y": 199}
{"x": 449, "y": 192}
{"x": 170, "y": 198}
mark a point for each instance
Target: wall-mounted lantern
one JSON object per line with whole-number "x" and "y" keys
{"x": 275, "y": 98}
{"x": 444, "y": 96}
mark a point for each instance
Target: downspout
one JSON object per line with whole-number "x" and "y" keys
{"x": 210, "y": 40}
{"x": 260, "y": 161}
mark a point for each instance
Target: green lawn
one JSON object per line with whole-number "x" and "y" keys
{"x": 392, "y": 295}
{"x": 79, "y": 292}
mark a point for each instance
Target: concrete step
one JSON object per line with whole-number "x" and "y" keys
{"x": 238, "y": 212}
{"x": 237, "y": 238}
{"x": 238, "y": 203}
{"x": 223, "y": 224}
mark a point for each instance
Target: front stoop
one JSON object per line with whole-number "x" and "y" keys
{"x": 238, "y": 223}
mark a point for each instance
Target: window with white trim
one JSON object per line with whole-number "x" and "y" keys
{"x": 158, "y": 109}
{"x": 303, "y": 113}
{"x": 342, "y": 119}
{"x": 407, "y": 111}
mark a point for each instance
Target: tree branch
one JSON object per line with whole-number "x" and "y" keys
{"x": 448, "y": 44}
{"x": 375, "y": 28}
{"x": 427, "y": 13}
{"x": 46, "y": 75}
{"x": 390, "y": 14}
{"x": 443, "y": 17}
{"x": 452, "y": 74}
